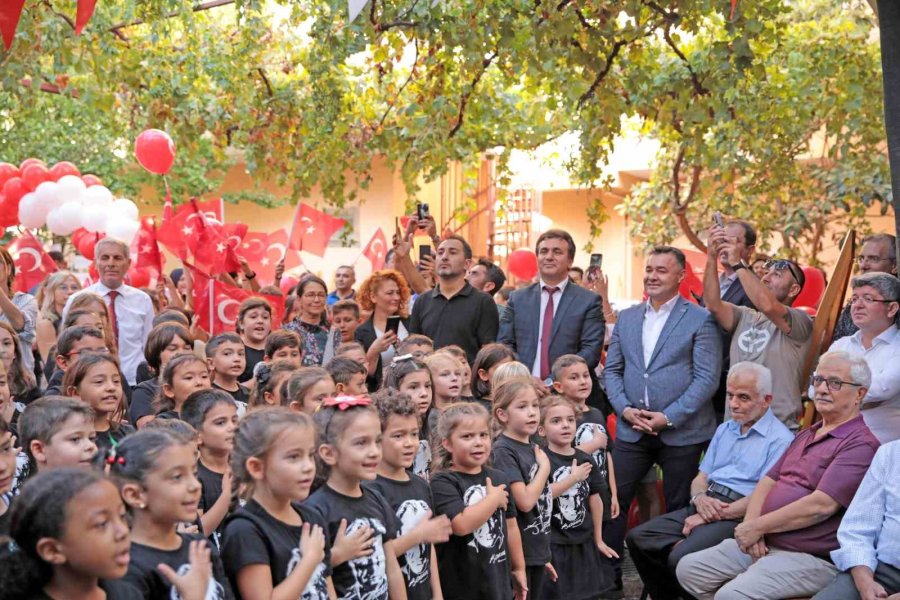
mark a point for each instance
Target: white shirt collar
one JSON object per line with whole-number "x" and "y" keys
{"x": 888, "y": 336}
{"x": 103, "y": 290}
{"x": 561, "y": 285}
{"x": 666, "y": 307}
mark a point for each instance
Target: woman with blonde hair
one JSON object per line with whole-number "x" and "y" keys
{"x": 384, "y": 294}
{"x": 52, "y": 299}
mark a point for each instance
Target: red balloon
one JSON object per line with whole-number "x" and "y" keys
{"x": 77, "y": 235}
{"x": 7, "y": 172}
{"x": 61, "y": 169}
{"x": 155, "y": 150}
{"x": 14, "y": 189}
{"x": 31, "y": 161}
{"x": 139, "y": 277}
{"x": 34, "y": 175}
{"x": 92, "y": 272}
{"x": 522, "y": 263}
{"x": 9, "y": 213}
{"x": 90, "y": 180}
{"x": 813, "y": 289}
{"x": 85, "y": 245}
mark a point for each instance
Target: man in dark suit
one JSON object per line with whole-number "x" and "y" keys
{"x": 732, "y": 290}
{"x": 554, "y": 316}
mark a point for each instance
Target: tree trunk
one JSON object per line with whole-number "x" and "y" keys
{"x": 889, "y": 21}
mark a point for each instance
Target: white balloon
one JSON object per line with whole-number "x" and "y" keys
{"x": 71, "y": 188}
{"x": 98, "y": 195}
{"x": 48, "y": 196}
{"x": 121, "y": 228}
{"x": 65, "y": 219}
{"x": 30, "y": 213}
{"x": 125, "y": 208}
{"x": 94, "y": 217}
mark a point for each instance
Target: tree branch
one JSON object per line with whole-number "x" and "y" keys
{"x": 412, "y": 72}
{"x": 464, "y": 101}
{"x": 699, "y": 88}
{"x": 197, "y": 8}
{"x": 265, "y": 79}
{"x": 617, "y": 46}
{"x": 679, "y": 206}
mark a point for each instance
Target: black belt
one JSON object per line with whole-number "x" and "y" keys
{"x": 726, "y": 492}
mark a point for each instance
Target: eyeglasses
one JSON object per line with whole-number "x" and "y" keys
{"x": 314, "y": 295}
{"x": 103, "y": 350}
{"x": 834, "y": 384}
{"x": 868, "y": 300}
{"x": 780, "y": 264}
{"x": 870, "y": 258}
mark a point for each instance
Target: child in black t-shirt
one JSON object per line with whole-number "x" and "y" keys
{"x": 349, "y": 452}
{"x": 181, "y": 377}
{"x": 81, "y": 514}
{"x": 527, "y": 468}
{"x": 408, "y": 495}
{"x": 214, "y": 415}
{"x": 273, "y": 543}
{"x": 154, "y": 470}
{"x": 165, "y": 342}
{"x": 55, "y": 432}
{"x": 572, "y": 380}
{"x": 254, "y": 324}
{"x": 489, "y": 358}
{"x": 412, "y": 377}
{"x": 227, "y": 360}
{"x": 483, "y": 558}
{"x": 577, "y": 523}
{"x": 97, "y": 381}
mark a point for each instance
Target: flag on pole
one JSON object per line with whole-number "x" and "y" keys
{"x": 312, "y": 229}
{"x": 376, "y": 250}
{"x": 33, "y": 265}
{"x": 216, "y": 303}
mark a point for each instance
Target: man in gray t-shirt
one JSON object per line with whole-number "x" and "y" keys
{"x": 776, "y": 335}
{"x": 757, "y": 339}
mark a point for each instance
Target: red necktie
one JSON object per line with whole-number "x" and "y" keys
{"x": 547, "y": 330}
{"x": 113, "y": 322}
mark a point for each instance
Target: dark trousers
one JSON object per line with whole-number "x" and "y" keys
{"x": 843, "y": 588}
{"x": 657, "y": 545}
{"x": 632, "y": 461}
{"x": 536, "y": 575}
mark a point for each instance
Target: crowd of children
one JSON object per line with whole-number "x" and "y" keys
{"x": 234, "y": 471}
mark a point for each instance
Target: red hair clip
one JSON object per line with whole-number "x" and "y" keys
{"x": 345, "y": 402}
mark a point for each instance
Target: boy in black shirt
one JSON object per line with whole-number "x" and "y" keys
{"x": 408, "y": 495}
{"x": 227, "y": 360}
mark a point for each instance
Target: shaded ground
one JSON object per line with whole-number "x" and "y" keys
{"x": 631, "y": 580}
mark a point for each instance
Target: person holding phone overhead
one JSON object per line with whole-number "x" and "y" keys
{"x": 386, "y": 295}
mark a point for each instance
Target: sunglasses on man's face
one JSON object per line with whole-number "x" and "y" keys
{"x": 782, "y": 264}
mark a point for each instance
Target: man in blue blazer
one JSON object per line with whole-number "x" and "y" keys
{"x": 662, "y": 368}
{"x": 574, "y": 322}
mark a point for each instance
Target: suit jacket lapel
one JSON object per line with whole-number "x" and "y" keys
{"x": 678, "y": 311}
{"x": 734, "y": 292}
{"x": 564, "y": 302}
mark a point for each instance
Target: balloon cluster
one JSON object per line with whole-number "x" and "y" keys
{"x": 62, "y": 199}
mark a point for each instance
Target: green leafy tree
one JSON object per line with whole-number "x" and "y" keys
{"x": 312, "y": 100}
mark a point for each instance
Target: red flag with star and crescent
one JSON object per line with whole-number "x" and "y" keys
{"x": 376, "y": 250}
{"x": 264, "y": 250}
{"x": 312, "y": 229}
{"x": 196, "y": 231}
{"x": 33, "y": 264}
{"x": 145, "y": 248}
{"x": 216, "y": 303}
{"x": 176, "y": 227}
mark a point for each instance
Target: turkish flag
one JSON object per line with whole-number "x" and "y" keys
{"x": 10, "y": 13}
{"x": 312, "y": 229}
{"x": 264, "y": 250}
{"x": 33, "y": 265}
{"x": 376, "y": 250}
{"x": 216, "y": 303}
{"x": 83, "y": 14}
{"x": 145, "y": 248}
{"x": 179, "y": 225}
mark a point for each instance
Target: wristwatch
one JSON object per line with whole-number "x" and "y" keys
{"x": 695, "y": 496}
{"x": 739, "y": 266}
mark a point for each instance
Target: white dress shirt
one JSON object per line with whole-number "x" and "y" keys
{"x": 134, "y": 316}
{"x": 725, "y": 283}
{"x": 654, "y": 321}
{"x": 557, "y": 296}
{"x": 870, "y": 529}
{"x": 881, "y": 406}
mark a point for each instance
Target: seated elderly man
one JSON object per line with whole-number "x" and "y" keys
{"x": 781, "y": 550}
{"x": 873, "y": 307}
{"x": 742, "y": 450}
{"x": 869, "y": 535}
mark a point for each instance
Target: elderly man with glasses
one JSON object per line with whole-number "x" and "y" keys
{"x": 782, "y": 548}
{"x": 874, "y": 304}
{"x": 878, "y": 254}
{"x": 774, "y": 334}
